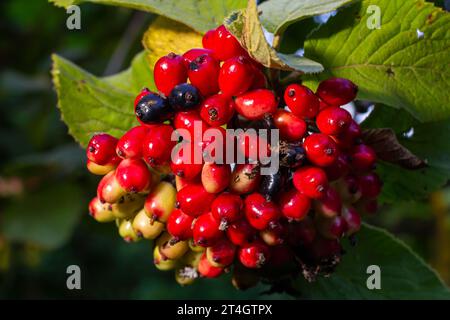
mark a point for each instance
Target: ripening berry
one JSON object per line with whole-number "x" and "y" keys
{"x": 145, "y": 227}
{"x": 133, "y": 175}
{"x": 215, "y": 177}
{"x": 160, "y": 202}
{"x": 221, "y": 254}
{"x": 207, "y": 270}
{"x": 245, "y": 178}
{"x": 241, "y": 232}
{"x": 130, "y": 145}
{"x": 292, "y": 128}
{"x": 101, "y": 148}
{"x": 329, "y": 205}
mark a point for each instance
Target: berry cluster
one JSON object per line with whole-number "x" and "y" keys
{"x": 209, "y": 217}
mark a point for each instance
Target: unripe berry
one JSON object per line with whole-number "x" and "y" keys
{"x": 171, "y": 248}
{"x": 169, "y": 71}
{"x": 221, "y": 254}
{"x": 195, "y": 248}
{"x": 101, "y": 212}
{"x": 260, "y": 213}
{"x": 337, "y": 91}
{"x": 331, "y": 228}
{"x": 311, "y": 181}
{"x": 223, "y": 44}
{"x": 333, "y": 121}
{"x": 254, "y": 105}
{"x": 245, "y": 178}
{"x": 101, "y": 148}
{"x": 292, "y": 128}
{"x": 294, "y": 205}
{"x": 185, "y": 275}
{"x": 180, "y": 182}
{"x": 236, "y": 76}
{"x": 152, "y": 108}
{"x": 193, "y": 54}
{"x": 127, "y": 206}
{"x": 352, "y": 219}
{"x": 206, "y": 230}
{"x": 101, "y": 170}
{"x": 207, "y": 270}
{"x": 217, "y": 110}
{"x": 227, "y": 208}
{"x": 179, "y": 225}
{"x": 133, "y": 175}
{"x": 254, "y": 255}
{"x": 127, "y": 232}
{"x": 320, "y": 149}
{"x": 301, "y": 101}
{"x": 363, "y": 158}
{"x": 370, "y": 185}
{"x": 145, "y": 227}
{"x": 241, "y": 232}
{"x": 194, "y": 200}
{"x": 203, "y": 73}
{"x": 161, "y": 262}
{"x": 109, "y": 190}
{"x": 130, "y": 145}
{"x": 184, "y": 97}
{"x": 215, "y": 177}
{"x": 160, "y": 202}
{"x": 330, "y": 204}
{"x": 157, "y": 145}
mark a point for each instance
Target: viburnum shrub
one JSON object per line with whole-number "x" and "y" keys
{"x": 203, "y": 209}
{"x": 238, "y": 158}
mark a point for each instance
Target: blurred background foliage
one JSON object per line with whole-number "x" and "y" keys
{"x": 45, "y": 189}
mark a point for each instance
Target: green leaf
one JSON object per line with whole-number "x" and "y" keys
{"x": 384, "y": 116}
{"x": 277, "y": 15}
{"x": 45, "y": 217}
{"x": 403, "y": 274}
{"x": 200, "y": 15}
{"x": 89, "y": 104}
{"x": 246, "y": 27}
{"x": 391, "y": 65}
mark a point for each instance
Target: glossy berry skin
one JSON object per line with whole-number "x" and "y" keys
{"x": 333, "y": 121}
{"x": 252, "y": 146}
{"x": 130, "y": 145}
{"x": 153, "y": 108}
{"x": 259, "y": 79}
{"x": 339, "y": 168}
{"x": 320, "y": 149}
{"x": 108, "y": 189}
{"x": 187, "y": 120}
{"x": 101, "y": 148}
{"x": 157, "y": 145}
{"x": 330, "y": 204}
{"x": 217, "y": 110}
{"x": 206, "y": 230}
{"x": 337, "y": 91}
{"x": 245, "y": 178}
{"x": 203, "y": 73}
{"x": 301, "y": 101}
{"x": 227, "y": 208}
{"x": 254, "y": 255}
{"x": 352, "y": 218}
{"x": 292, "y": 128}
{"x": 101, "y": 170}
{"x": 133, "y": 175}
{"x": 254, "y": 105}
{"x": 221, "y": 254}
{"x": 194, "y": 53}
{"x": 169, "y": 71}
{"x": 179, "y": 225}
{"x": 311, "y": 181}
{"x": 349, "y": 137}
{"x": 260, "y": 213}
{"x": 223, "y": 44}
{"x": 293, "y": 205}
{"x": 363, "y": 158}
{"x": 291, "y": 155}
{"x": 236, "y": 76}
{"x": 184, "y": 97}
{"x": 160, "y": 203}
{"x": 215, "y": 177}
{"x": 331, "y": 228}
{"x": 207, "y": 270}
{"x": 272, "y": 184}
{"x": 241, "y": 232}
{"x": 370, "y": 185}
{"x": 194, "y": 200}
{"x": 208, "y": 38}
{"x": 144, "y": 92}
{"x": 187, "y": 166}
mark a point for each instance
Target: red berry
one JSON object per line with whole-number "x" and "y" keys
{"x": 301, "y": 101}
{"x": 236, "y": 76}
{"x": 108, "y": 189}
{"x": 331, "y": 228}
{"x": 227, "y": 208}
{"x": 259, "y": 79}
{"x": 253, "y": 105}
{"x": 223, "y": 43}
{"x": 179, "y": 225}
{"x": 157, "y": 145}
{"x": 311, "y": 181}
{"x": 101, "y": 148}
{"x": 187, "y": 165}
{"x": 206, "y": 230}
{"x": 370, "y": 185}
{"x": 241, "y": 232}
{"x": 294, "y": 205}
{"x": 168, "y": 72}
{"x": 221, "y": 254}
{"x": 193, "y": 54}
{"x": 213, "y": 145}
{"x": 352, "y": 218}
{"x": 133, "y": 175}
{"x": 254, "y": 255}
{"x": 130, "y": 145}
{"x": 215, "y": 177}
{"x": 260, "y": 213}
{"x": 363, "y": 158}
{"x": 194, "y": 200}
{"x": 291, "y": 127}
{"x": 320, "y": 149}
{"x": 339, "y": 168}
{"x": 330, "y": 204}
{"x": 217, "y": 110}
{"x": 333, "y": 121}
{"x": 252, "y": 146}
{"x": 245, "y": 178}
{"x": 337, "y": 91}
{"x": 208, "y": 38}
{"x": 302, "y": 233}
{"x": 207, "y": 270}
{"x": 348, "y": 138}
{"x": 203, "y": 74}
{"x": 187, "y": 120}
